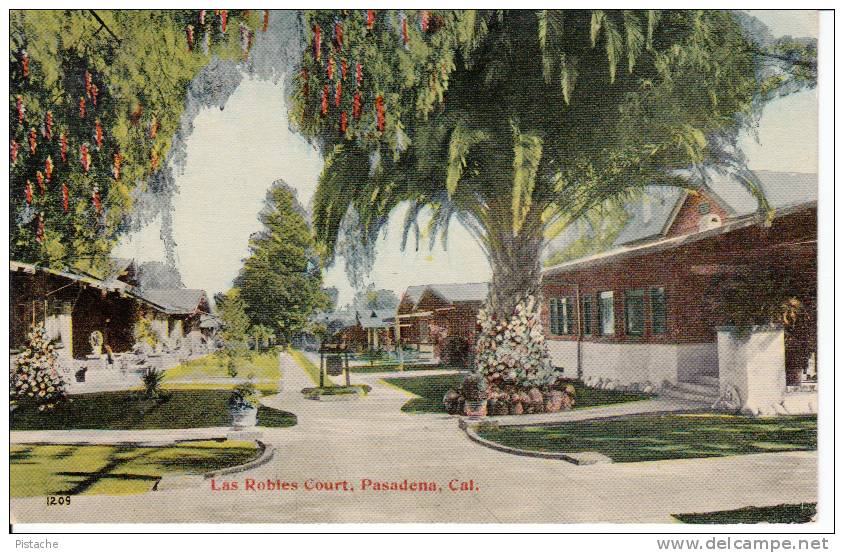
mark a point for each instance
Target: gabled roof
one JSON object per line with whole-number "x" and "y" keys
{"x": 180, "y": 301}
{"x": 652, "y": 217}
{"x": 464, "y": 292}
{"x": 414, "y": 293}
{"x": 375, "y": 318}
{"x": 343, "y": 318}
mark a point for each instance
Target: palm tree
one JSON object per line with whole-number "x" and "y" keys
{"x": 517, "y": 123}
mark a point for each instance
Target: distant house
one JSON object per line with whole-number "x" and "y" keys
{"x": 180, "y": 313}
{"x": 378, "y": 326}
{"x": 642, "y": 311}
{"x": 73, "y": 304}
{"x": 450, "y": 307}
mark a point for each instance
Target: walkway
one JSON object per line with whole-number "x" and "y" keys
{"x": 371, "y": 438}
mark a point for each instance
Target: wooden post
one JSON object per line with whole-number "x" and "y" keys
{"x": 346, "y": 363}
{"x": 321, "y": 370}
{"x": 398, "y": 343}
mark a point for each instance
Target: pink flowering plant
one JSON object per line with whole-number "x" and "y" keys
{"x": 512, "y": 358}
{"x": 34, "y": 378}
{"x": 514, "y": 352}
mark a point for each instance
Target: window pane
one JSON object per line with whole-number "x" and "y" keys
{"x": 562, "y": 309}
{"x": 634, "y": 312}
{"x": 587, "y": 315}
{"x": 554, "y": 316}
{"x": 606, "y": 311}
{"x": 659, "y": 316}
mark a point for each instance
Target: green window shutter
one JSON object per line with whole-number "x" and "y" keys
{"x": 659, "y": 311}
{"x": 552, "y": 315}
{"x": 634, "y": 312}
{"x": 569, "y": 313}
{"x": 587, "y": 315}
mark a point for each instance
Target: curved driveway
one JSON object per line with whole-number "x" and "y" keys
{"x": 370, "y": 438}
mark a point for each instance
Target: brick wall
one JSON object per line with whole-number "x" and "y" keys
{"x": 688, "y": 274}
{"x": 688, "y": 217}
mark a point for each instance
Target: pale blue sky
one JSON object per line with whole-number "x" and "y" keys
{"x": 233, "y": 155}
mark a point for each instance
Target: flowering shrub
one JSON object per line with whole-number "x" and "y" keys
{"x": 34, "y": 378}
{"x": 438, "y": 334}
{"x": 514, "y": 352}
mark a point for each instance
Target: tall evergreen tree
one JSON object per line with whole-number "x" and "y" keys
{"x": 280, "y": 281}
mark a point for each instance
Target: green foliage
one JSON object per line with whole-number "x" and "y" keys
{"x": 196, "y": 408}
{"x": 261, "y": 336}
{"x": 768, "y": 295}
{"x": 144, "y": 333}
{"x": 597, "y": 233}
{"x": 34, "y": 378}
{"x": 121, "y": 469}
{"x": 786, "y": 513}
{"x": 280, "y": 282}
{"x": 517, "y": 121}
{"x": 668, "y": 436}
{"x": 152, "y": 379}
{"x": 232, "y": 311}
{"x": 244, "y": 396}
{"x": 131, "y": 68}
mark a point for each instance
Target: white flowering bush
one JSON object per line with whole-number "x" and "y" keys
{"x": 34, "y": 378}
{"x": 514, "y": 353}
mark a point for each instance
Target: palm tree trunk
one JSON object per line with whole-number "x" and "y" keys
{"x": 516, "y": 269}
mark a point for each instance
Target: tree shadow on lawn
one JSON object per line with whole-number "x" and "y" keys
{"x": 127, "y": 469}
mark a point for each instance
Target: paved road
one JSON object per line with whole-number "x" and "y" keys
{"x": 371, "y": 438}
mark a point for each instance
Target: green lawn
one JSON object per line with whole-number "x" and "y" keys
{"x": 795, "y": 513}
{"x": 395, "y": 367}
{"x": 657, "y": 437}
{"x": 262, "y": 368}
{"x": 128, "y": 411}
{"x": 38, "y": 470}
{"x": 432, "y": 388}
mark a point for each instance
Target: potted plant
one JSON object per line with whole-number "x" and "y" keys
{"x": 474, "y": 391}
{"x": 96, "y": 341}
{"x": 243, "y": 405}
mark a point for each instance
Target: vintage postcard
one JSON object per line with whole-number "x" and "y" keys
{"x": 415, "y": 266}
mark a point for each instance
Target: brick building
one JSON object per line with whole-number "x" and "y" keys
{"x": 643, "y": 312}
{"x": 451, "y": 309}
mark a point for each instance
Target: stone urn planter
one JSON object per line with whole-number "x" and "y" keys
{"x": 475, "y": 409}
{"x": 243, "y": 418}
{"x": 243, "y": 406}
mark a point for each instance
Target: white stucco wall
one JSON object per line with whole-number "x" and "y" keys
{"x": 628, "y": 364}
{"x": 564, "y": 356}
{"x": 751, "y": 371}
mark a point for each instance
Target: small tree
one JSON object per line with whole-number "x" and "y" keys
{"x": 34, "y": 378}
{"x": 235, "y": 331}
{"x": 261, "y": 336}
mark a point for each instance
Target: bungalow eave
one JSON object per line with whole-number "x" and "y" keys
{"x": 626, "y": 252}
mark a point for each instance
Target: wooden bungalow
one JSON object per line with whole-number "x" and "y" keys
{"x": 73, "y": 304}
